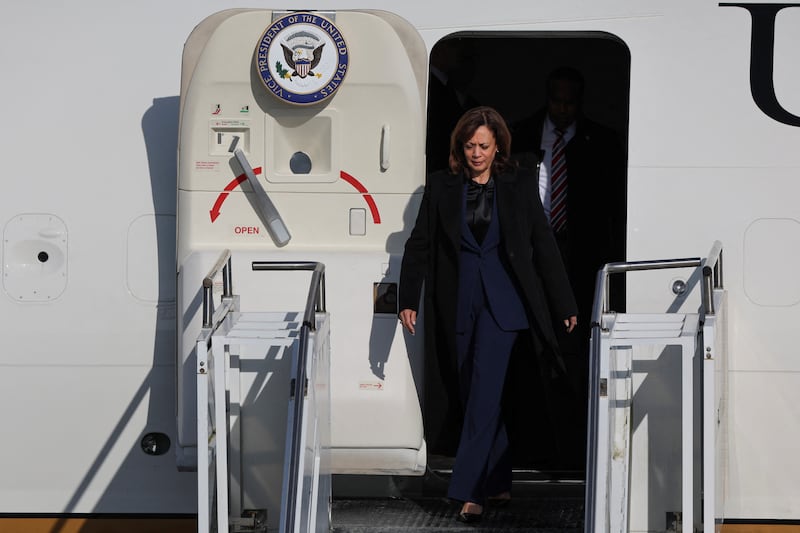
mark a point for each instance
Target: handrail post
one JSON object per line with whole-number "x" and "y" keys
{"x": 593, "y": 411}
{"x": 223, "y": 263}
{"x": 227, "y": 279}
{"x": 321, "y": 303}
{"x": 712, "y": 277}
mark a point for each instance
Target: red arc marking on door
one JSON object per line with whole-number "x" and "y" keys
{"x": 216, "y": 210}
{"x": 238, "y": 180}
{"x": 376, "y": 216}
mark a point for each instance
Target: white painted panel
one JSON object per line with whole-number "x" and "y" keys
{"x": 72, "y": 441}
{"x": 765, "y": 421}
{"x": 148, "y": 275}
{"x": 771, "y": 263}
{"x": 680, "y": 212}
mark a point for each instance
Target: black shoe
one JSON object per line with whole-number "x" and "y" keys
{"x": 469, "y": 518}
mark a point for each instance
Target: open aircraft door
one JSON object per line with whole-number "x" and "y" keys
{"x": 302, "y": 139}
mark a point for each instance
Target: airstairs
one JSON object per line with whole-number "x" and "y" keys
{"x": 656, "y": 445}
{"x": 263, "y": 461}
{"x": 260, "y": 463}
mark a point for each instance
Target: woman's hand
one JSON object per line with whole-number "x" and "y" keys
{"x": 408, "y": 318}
{"x": 570, "y": 323}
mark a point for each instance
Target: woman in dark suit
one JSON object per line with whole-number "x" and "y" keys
{"x": 491, "y": 269}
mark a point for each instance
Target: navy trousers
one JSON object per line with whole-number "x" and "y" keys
{"x": 483, "y": 466}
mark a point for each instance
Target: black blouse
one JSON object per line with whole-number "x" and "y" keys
{"x": 478, "y": 213}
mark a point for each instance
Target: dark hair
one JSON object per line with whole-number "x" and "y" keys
{"x": 567, "y": 74}
{"x": 465, "y": 129}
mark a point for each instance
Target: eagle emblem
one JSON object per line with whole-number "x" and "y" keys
{"x": 303, "y": 53}
{"x": 302, "y": 58}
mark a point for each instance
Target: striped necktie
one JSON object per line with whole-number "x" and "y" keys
{"x": 558, "y": 184}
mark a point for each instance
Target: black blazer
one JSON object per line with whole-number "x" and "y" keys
{"x": 527, "y": 248}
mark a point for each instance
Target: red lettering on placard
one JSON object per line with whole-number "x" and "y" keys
{"x": 246, "y": 230}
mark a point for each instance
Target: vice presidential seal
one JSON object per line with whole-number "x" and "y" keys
{"x": 302, "y": 58}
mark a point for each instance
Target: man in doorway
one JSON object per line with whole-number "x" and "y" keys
{"x": 582, "y": 187}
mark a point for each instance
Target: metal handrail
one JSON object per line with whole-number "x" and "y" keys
{"x": 711, "y": 268}
{"x": 224, "y": 264}
{"x": 712, "y": 276}
{"x": 315, "y": 303}
{"x": 316, "y": 298}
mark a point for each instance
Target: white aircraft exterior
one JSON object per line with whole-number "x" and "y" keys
{"x": 98, "y": 192}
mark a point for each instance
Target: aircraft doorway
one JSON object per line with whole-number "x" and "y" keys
{"x": 545, "y": 415}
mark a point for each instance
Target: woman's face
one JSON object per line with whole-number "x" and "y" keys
{"x": 479, "y": 151}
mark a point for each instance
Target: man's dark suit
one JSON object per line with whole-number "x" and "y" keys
{"x": 595, "y": 200}
{"x": 595, "y": 235}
